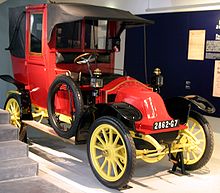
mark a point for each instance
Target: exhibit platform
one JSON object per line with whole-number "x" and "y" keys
{"x": 67, "y": 164}
{"x": 63, "y": 167}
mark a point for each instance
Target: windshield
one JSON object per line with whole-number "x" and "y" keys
{"x": 96, "y": 34}
{"x": 69, "y": 35}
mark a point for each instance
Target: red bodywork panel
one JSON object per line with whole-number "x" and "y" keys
{"x": 149, "y": 103}
{"x": 19, "y": 67}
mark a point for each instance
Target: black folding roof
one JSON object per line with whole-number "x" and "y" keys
{"x": 69, "y": 12}
{"x": 63, "y": 13}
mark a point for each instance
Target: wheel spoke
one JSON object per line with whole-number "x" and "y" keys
{"x": 120, "y": 156}
{"x": 116, "y": 140}
{"x": 110, "y": 136}
{"x": 105, "y": 136}
{"x": 9, "y": 110}
{"x": 11, "y": 107}
{"x": 99, "y": 157}
{"x": 18, "y": 124}
{"x": 98, "y": 147}
{"x": 199, "y": 131}
{"x": 101, "y": 140}
{"x": 109, "y": 168}
{"x": 187, "y": 156}
{"x": 119, "y": 148}
{"x": 17, "y": 108}
{"x": 115, "y": 168}
{"x": 198, "y": 149}
{"x": 119, "y": 164}
{"x": 103, "y": 164}
{"x": 193, "y": 127}
{"x": 194, "y": 155}
{"x": 17, "y": 118}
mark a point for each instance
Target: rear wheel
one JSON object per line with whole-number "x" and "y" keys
{"x": 13, "y": 106}
{"x": 65, "y": 106}
{"x": 199, "y": 140}
{"x": 111, "y": 152}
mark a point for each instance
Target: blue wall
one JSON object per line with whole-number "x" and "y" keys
{"x": 167, "y": 48}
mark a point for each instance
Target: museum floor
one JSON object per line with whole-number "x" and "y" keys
{"x": 66, "y": 166}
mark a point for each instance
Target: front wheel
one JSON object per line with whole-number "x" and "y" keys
{"x": 198, "y": 142}
{"x": 111, "y": 152}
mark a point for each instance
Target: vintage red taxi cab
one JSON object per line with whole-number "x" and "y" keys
{"x": 64, "y": 70}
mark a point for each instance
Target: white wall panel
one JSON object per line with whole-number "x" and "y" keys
{"x": 156, "y": 6}
{"x": 149, "y": 6}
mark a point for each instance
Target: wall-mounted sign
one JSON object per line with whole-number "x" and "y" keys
{"x": 196, "y": 46}
{"x": 216, "y": 80}
{"x": 212, "y": 49}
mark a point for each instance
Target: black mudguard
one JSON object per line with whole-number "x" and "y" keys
{"x": 24, "y": 94}
{"x": 11, "y": 80}
{"x": 201, "y": 103}
{"x": 179, "y": 107}
{"x": 125, "y": 110}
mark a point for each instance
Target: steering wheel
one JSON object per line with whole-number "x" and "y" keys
{"x": 85, "y": 58}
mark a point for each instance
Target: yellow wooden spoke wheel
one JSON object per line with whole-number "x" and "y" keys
{"x": 197, "y": 141}
{"x": 111, "y": 152}
{"x": 13, "y": 107}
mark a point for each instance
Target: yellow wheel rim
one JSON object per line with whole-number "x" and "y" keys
{"x": 108, "y": 152}
{"x": 13, "y": 108}
{"x": 194, "y": 150}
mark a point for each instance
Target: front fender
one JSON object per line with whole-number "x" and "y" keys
{"x": 125, "y": 110}
{"x": 202, "y": 103}
{"x": 178, "y": 108}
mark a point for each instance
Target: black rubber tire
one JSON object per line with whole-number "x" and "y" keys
{"x": 209, "y": 142}
{"x": 78, "y": 104}
{"x": 22, "y": 129}
{"x": 130, "y": 147}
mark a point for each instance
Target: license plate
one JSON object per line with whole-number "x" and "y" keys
{"x": 166, "y": 124}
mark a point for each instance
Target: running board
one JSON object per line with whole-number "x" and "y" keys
{"x": 47, "y": 129}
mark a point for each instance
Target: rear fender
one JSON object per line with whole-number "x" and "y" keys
{"x": 23, "y": 94}
{"x": 11, "y": 80}
{"x": 201, "y": 103}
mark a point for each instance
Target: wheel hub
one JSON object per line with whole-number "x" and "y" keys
{"x": 109, "y": 153}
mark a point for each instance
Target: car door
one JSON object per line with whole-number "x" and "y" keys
{"x": 35, "y": 55}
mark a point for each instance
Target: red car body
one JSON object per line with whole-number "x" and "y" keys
{"x": 38, "y": 70}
